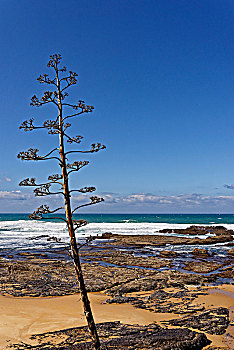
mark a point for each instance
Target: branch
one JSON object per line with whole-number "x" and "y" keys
{"x": 32, "y": 182}
{"x": 70, "y": 80}
{"x": 94, "y": 200}
{"x": 53, "y": 150}
{"x": 76, "y": 166}
{"x": 31, "y": 154}
{"x": 81, "y": 104}
{"x": 85, "y": 190}
{"x": 53, "y": 211}
{"x": 44, "y": 190}
{"x": 44, "y": 209}
{"x": 46, "y": 98}
{"x": 79, "y": 223}
{"x": 43, "y": 78}
{"x": 54, "y": 178}
{"x": 94, "y": 148}
{"x": 27, "y": 125}
{"x": 54, "y": 60}
{"x": 88, "y": 240}
{"x": 52, "y": 125}
{"x": 76, "y": 139}
{"x": 72, "y": 115}
{"x": 28, "y": 182}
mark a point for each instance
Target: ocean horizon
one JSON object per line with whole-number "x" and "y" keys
{"x": 19, "y": 233}
{"x": 182, "y": 218}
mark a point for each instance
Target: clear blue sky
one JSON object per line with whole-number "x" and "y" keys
{"x": 159, "y": 74}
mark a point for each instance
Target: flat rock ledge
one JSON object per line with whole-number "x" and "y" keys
{"x": 114, "y": 335}
{"x": 213, "y": 321}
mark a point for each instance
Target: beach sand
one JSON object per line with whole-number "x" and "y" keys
{"x": 23, "y": 317}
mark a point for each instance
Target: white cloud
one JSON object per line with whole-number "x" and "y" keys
{"x": 136, "y": 202}
{"x": 193, "y": 200}
{"x": 18, "y": 195}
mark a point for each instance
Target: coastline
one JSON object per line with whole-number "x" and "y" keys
{"x": 156, "y": 291}
{"x": 23, "y": 317}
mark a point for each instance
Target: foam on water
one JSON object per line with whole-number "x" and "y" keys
{"x": 18, "y": 234}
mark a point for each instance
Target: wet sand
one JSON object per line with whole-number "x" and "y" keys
{"x": 22, "y": 317}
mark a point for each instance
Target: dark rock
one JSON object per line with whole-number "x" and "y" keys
{"x": 168, "y": 254}
{"x": 121, "y": 300}
{"x": 201, "y": 266}
{"x": 213, "y": 321}
{"x": 220, "y": 235}
{"x": 106, "y": 235}
{"x": 203, "y": 253}
{"x": 114, "y": 335}
{"x": 200, "y": 230}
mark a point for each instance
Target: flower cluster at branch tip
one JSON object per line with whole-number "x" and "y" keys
{"x": 87, "y": 189}
{"x": 37, "y": 214}
{"x": 76, "y": 139}
{"x": 31, "y": 154}
{"x": 27, "y": 125}
{"x": 95, "y": 199}
{"x": 54, "y": 178}
{"x": 66, "y": 125}
{"x": 52, "y": 125}
{"x": 71, "y": 80}
{"x": 48, "y": 95}
{"x": 35, "y": 101}
{"x": 43, "y": 190}
{"x": 54, "y": 60}
{"x": 28, "y": 182}
{"x": 43, "y": 78}
{"x": 77, "y": 165}
{"x": 85, "y": 108}
{"x": 97, "y": 147}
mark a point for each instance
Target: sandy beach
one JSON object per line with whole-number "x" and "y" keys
{"x": 23, "y": 317}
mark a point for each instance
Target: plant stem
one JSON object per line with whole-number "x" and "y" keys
{"x": 75, "y": 252}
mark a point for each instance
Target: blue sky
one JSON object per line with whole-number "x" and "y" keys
{"x": 159, "y": 74}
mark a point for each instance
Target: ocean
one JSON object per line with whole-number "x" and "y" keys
{"x": 20, "y": 234}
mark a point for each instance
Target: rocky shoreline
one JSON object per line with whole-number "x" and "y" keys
{"x": 125, "y": 270}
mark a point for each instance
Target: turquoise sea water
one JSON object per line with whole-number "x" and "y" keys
{"x": 143, "y": 218}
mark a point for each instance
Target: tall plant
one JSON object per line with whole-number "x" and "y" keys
{"x": 59, "y": 125}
